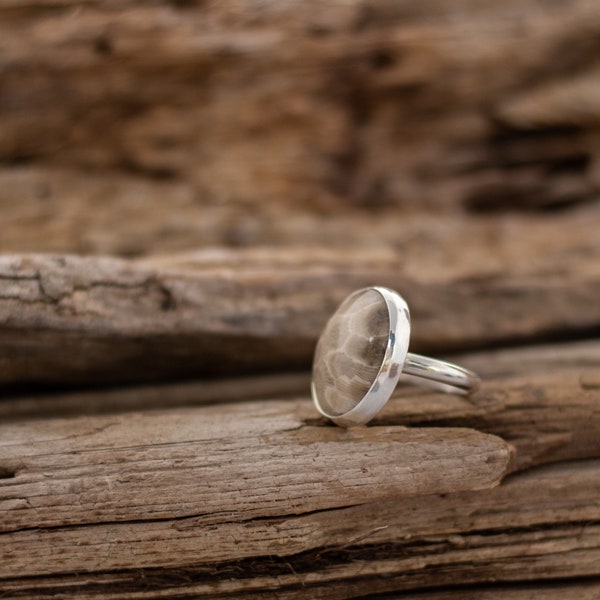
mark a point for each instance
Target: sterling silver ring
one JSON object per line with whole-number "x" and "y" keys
{"x": 362, "y": 353}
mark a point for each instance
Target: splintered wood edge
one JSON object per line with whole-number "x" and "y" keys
{"x": 501, "y": 534}
{"x": 246, "y": 461}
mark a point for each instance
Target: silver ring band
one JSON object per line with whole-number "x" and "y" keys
{"x": 439, "y": 374}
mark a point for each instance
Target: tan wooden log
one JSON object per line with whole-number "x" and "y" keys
{"x": 249, "y": 461}
{"x": 364, "y": 103}
{"x": 198, "y": 500}
{"x": 350, "y": 144}
{"x": 51, "y": 209}
{"x": 69, "y": 319}
{"x": 541, "y": 399}
{"x": 199, "y": 497}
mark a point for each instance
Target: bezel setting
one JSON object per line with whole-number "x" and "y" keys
{"x": 391, "y": 367}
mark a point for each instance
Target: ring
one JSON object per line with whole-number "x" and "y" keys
{"x": 362, "y": 353}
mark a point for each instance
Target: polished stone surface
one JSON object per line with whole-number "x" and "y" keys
{"x": 350, "y": 352}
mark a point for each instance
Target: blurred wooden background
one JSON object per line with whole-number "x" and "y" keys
{"x": 188, "y": 189}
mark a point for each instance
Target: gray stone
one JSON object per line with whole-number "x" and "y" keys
{"x": 350, "y": 352}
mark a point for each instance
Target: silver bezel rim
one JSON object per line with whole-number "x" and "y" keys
{"x": 391, "y": 367}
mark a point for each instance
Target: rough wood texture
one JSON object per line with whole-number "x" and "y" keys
{"x": 117, "y": 320}
{"x": 449, "y": 150}
{"x": 37, "y": 404}
{"x": 384, "y": 556}
{"x": 198, "y": 498}
{"x": 235, "y": 105}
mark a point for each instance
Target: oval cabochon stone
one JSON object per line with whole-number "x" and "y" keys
{"x": 350, "y": 352}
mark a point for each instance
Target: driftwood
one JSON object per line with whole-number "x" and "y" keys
{"x": 187, "y": 317}
{"x": 581, "y": 360}
{"x": 249, "y": 498}
{"x": 212, "y": 179}
{"x": 128, "y": 128}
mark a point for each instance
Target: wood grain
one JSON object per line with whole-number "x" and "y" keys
{"x": 198, "y": 498}
{"x": 214, "y": 461}
{"x": 332, "y": 544}
{"x": 132, "y": 321}
{"x": 213, "y": 178}
{"x": 579, "y": 360}
{"x": 369, "y": 104}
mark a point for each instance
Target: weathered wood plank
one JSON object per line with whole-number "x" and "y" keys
{"x": 508, "y": 533}
{"x": 364, "y": 103}
{"x": 180, "y": 495}
{"x": 64, "y": 210}
{"x": 116, "y": 320}
{"x": 158, "y": 396}
{"x": 192, "y": 502}
{"x": 547, "y": 409}
{"x": 493, "y": 365}
{"x": 245, "y": 461}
